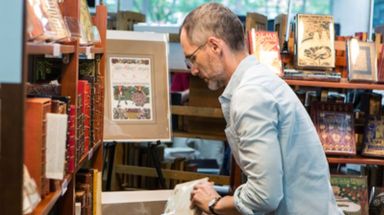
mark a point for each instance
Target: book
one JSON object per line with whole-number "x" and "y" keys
{"x": 280, "y": 26}
{"x": 374, "y": 137}
{"x": 255, "y": 20}
{"x": 314, "y": 42}
{"x": 34, "y": 26}
{"x": 376, "y": 201}
{"x": 335, "y": 127}
{"x": 86, "y": 25}
{"x": 35, "y": 142}
{"x": 51, "y": 10}
{"x": 380, "y": 68}
{"x": 56, "y": 145}
{"x": 362, "y": 61}
{"x": 265, "y": 46}
{"x": 353, "y": 188}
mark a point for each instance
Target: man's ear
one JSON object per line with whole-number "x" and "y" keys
{"x": 215, "y": 44}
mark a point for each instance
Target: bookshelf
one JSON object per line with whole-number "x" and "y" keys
{"x": 13, "y": 103}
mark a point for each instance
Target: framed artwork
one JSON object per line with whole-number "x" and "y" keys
{"x": 314, "y": 41}
{"x": 137, "y": 103}
{"x": 362, "y": 61}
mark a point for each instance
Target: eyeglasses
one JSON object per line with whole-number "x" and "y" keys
{"x": 190, "y": 59}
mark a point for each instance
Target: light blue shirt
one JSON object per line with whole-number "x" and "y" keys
{"x": 274, "y": 142}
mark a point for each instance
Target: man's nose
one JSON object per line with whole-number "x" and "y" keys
{"x": 194, "y": 70}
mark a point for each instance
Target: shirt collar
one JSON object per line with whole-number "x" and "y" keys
{"x": 237, "y": 76}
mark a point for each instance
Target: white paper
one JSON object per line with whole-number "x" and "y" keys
{"x": 55, "y": 145}
{"x": 131, "y": 89}
{"x": 180, "y": 200}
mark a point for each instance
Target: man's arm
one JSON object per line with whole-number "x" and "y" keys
{"x": 204, "y": 192}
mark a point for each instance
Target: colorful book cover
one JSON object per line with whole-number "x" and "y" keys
{"x": 335, "y": 127}
{"x": 349, "y": 189}
{"x": 374, "y": 138}
{"x": 362, "y": 61}
{"x": 315, "y": 41}
{"x": 265, "y": 46}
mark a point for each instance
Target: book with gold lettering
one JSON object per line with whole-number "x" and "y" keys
{"x": 314, "y": 41}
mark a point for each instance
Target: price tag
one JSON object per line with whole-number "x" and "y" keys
{"x": 89, "y": 55}
{"x": 56, "y": 50}
{"x": 64, "y": 187}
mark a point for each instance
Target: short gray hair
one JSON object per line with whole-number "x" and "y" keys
{"x": 213, "y": 19}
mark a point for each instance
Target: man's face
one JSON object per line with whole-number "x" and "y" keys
{"x": 202, "y": 62}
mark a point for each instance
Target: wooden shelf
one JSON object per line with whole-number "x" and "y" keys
{"x": 87, "y": 156}
{"x": 197, "y": 111}
{"x": 199, "y": 135}
{"x": 50, "y": 200}
{"x": 356, "y": 160}
{"x": 37, "y": 49}
{"x": 94, "y": 50}
{"x": 341, "y": 84}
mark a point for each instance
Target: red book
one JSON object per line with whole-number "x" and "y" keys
{"x": 84, "y": 91}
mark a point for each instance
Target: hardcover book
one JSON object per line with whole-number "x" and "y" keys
{"x": 85, "y": 24}
{"x": 314, "y": 41}
{"x": 362, "y": 61}
{"x": 256, "y": 20}
{"x": 265, "y": 46}
{"x": 351, "y": 188}
{"x": 55, "y": 20}
{"x": 35, "y": 142}
{"x": 280, "y": 26}
{"x": 335, "y": 127}
{"x": 374, "y": 138}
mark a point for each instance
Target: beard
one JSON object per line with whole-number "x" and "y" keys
{"x": 216, "y": 81}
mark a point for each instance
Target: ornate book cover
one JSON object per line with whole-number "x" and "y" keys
{"x": 362, "y": 61}
{"x": 351, "y": 193}
{"x": 335, "y": 126}
{"x": 314, "y": 41}
{"x": 374, "y": 138}
{"x": 55, "y": 20}
{"x": 265, "y": 46}
{"x": 85, "y": 24}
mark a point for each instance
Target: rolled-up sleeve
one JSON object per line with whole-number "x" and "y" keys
{"x": 254, "y": 119}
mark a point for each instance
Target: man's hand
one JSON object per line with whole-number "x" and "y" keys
{"x": 202, "y": 194}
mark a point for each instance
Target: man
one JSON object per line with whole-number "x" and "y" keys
{"x": 272, "y": 138}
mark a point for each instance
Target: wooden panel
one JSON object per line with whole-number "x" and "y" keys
{"x": 356, "y": 160}
{"x": 171, "y": 174}
{"x": 197, "y": 111}
{"x": 342, "y": 84}
{"x": 34, "y": 49}
{"x": 11, "y": 148}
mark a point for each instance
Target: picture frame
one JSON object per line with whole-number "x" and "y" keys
{"x": 137, "y": 101}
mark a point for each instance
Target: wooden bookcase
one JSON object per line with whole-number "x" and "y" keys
{"x": 13, "y": 98}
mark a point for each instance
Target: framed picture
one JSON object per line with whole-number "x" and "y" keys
{"x": 314, "y": 42}
{"x": 137, "y": 104}
{"x": 362, "y": 61}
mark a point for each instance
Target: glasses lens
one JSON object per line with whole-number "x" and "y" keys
{"x": 188, "y": 63}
